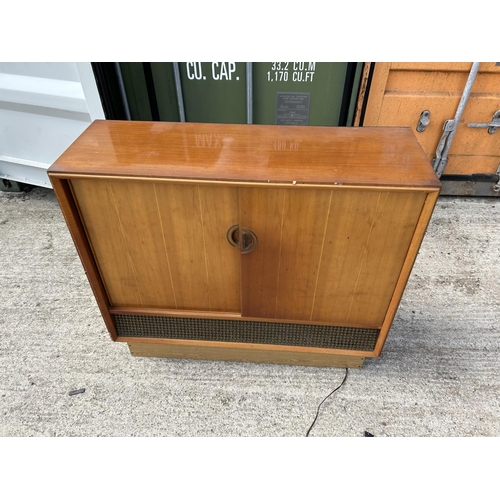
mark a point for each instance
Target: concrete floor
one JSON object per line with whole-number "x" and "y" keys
{"x": 439, "y": 374}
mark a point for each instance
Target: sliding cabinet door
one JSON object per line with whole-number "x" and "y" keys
{"x": 329, "y": 255}
{"x": 162, "y": 245}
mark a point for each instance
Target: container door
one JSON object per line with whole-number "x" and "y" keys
{"x": 401, "y": 92}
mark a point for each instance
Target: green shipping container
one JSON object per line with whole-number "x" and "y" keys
{"x": 283, "y": 93}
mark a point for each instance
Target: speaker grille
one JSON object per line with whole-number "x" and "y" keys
{"x": 254, "y": 332}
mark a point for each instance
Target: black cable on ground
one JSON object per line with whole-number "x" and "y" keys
{"x": 334, "y": 390}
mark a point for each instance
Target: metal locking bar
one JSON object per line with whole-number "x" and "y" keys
{"x": 491, "y": 126}
{"x": 450, "y": 126}
{"x": 441, "y": 159}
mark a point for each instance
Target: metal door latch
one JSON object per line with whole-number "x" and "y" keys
{"x": 491, "y": 126}
{"x": 424, "y": 120}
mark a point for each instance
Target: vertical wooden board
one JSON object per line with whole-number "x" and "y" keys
{"x": 389, "y": 239}
{"x": 219, "y": 211}
{"x": 101, "y": 222}
{"x": 376, "y": 94}
{"x": 137, "y": 210}
{"x": 204, "y": 267}
{"x": 352, "y": 216}
{"x": 261, "y": 210}
{"x": 184, "y": 241}
{"x": 305, "y": 213}
{"x": 367, "y": 238}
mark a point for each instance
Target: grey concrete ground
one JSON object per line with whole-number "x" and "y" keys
{"x": 439, "y": 374}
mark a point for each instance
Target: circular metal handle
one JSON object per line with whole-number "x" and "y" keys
{"x": 230, "y": 236}
{"x": 248, "y": 240}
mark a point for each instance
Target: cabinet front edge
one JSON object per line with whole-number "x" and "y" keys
{"x": 256, "y": 183}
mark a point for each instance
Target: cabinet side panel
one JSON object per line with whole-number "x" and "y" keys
{"x": 416, "y": 241}
{"x": 77, "y": 231}
{"x": 102, "y": 224}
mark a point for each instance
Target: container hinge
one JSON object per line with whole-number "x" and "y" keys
{"x": 491, "y": 126}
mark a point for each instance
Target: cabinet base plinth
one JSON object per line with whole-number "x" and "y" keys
{"x": 244, "y": 355}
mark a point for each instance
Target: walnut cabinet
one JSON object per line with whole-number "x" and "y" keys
{"x": 247, "y": 242}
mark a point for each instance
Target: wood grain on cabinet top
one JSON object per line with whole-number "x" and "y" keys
{"x": 380, "y": 156}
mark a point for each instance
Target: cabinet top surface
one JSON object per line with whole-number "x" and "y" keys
{"x": 380, "y": 156}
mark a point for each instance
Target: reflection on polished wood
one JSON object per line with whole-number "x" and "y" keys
{"x": 323, "y": 155}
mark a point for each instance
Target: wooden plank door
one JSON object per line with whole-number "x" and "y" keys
{"x": 162, "y": 245}
{"x": 329, "y": 255}
{"x": 401, "y": 91}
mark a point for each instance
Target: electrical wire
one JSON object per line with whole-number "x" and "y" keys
{"x": 334, "y": 390}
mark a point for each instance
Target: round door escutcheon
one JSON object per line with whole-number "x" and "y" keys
{"x": 247, "y": 235}
{"x": 230, "y": 236}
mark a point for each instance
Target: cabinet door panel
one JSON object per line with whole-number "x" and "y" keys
{"x": 261, "y": 210}
{"x": 107, "y": 240}
{"x": 205, "y": 268}
{"x": 366, "y": 242}
{"x": 325, "y": 255}
{"x": 165, "y": 238}
{"x": 279, "y": 277}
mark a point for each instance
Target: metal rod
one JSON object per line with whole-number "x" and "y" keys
{"x": 249, "y": 93}
{"x": 123, "y": 93}
{"x": 461, "y": 105}
{"x": 178, "y": 88}
{"x": 441, "y": 159}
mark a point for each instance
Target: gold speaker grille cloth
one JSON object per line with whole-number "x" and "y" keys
{"x": 254, "y": 332}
